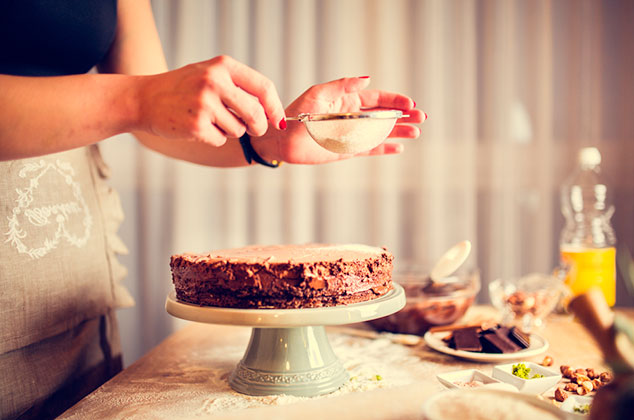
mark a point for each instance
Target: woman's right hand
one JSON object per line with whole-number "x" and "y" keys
{"x": 209, "y": 101}
{"x": 344, "y": 95}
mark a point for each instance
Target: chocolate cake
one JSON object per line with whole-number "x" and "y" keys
{"x": 283, "y": 276}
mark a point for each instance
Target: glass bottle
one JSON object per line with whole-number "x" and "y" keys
{"x": 587, "y": 242}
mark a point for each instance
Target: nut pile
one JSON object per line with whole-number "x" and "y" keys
{"x": 582, "y": 381}
{"x": 522, "y": 303}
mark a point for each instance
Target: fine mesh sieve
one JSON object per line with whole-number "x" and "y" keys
{"x": 351, "y": 132}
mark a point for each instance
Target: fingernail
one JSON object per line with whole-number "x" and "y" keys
{"x": 364, "y": 77}
{"x": 282, "y": 124}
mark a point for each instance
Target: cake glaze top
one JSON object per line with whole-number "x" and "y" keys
{"x": 300, "y": 254}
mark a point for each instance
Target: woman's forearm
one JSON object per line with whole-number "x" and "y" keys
{"x": 41, "y": 115}
{"x": 228, "y": 155}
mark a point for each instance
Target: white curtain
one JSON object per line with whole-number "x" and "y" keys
{"x": 512, "y": 88}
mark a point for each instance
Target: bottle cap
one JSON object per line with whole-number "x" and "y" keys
{"x": 589, "y": 157}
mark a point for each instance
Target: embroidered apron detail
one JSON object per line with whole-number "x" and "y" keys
{"x": 37, "y": 226}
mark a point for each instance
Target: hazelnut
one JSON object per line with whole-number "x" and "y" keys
{"x": 568, "y": 373}
{"x": 517, "y": 298}
{"x": 581, "y": 372}
{"x": 606, "y": 377}
{"x": 582, "y": 390}
{"x": 563, "y": 368}
{"x": 579, "y": 378}
{"x": 588, "y": 385}
{"x": 528, "y": 303}
{"x": 548, "y": 361}
{"x": 591, "y": 373}
{"x": 571, "y": 387}
{"x": 560, "y": 395}
{"x": 596, "y": 383}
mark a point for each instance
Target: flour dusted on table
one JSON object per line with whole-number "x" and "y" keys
{"x": 371, "y": 364}
{"x": 196, "y": 386}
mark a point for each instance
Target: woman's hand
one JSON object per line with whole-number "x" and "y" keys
{"x": 209, "y": 101}
{"x": 344, "y": 95}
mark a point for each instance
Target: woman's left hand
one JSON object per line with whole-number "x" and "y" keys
{"x": 294, "y": 145}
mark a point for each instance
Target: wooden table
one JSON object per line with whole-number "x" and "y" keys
{"x": 174, "y": 379}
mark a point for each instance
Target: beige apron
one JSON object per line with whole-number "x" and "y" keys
{"x": 59, "y": 281}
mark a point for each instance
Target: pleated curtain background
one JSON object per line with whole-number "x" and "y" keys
{"x": 513, "y": 89}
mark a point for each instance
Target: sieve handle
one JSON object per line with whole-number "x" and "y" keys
{"x": 302, "y": 117}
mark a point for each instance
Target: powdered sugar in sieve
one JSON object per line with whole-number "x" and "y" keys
{"x": 352, "y": 132}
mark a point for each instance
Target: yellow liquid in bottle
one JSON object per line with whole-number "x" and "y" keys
{"x": 591, "y": 267}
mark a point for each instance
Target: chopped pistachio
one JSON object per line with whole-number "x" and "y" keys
{"x": 583, "y": 409}
{"x": 521, "y": 371}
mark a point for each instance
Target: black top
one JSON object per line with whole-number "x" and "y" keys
{"x": 55, "y": 37}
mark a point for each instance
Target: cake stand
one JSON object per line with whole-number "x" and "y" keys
{"x": 289, "y": 352}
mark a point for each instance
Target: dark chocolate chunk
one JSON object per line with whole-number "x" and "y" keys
{"x": 519, "y": 337}
{"x": 503, "y": 331}
{"x": 467, "y": 339}
{"x": 497, "y": 343}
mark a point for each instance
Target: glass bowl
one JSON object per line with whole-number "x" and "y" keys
{"x": 430, "y": 304}
{"x": 526, "y": 300}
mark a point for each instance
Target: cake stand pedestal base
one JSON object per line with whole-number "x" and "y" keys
{"x": 293, "y": 361}
{"x": 289, "y": 352}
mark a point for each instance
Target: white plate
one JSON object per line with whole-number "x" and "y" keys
{"x": 387, "y": 304}
{"x": 538, "y": 346}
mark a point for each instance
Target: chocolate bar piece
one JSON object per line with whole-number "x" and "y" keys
{"x": 498, "y": 343}
{"x": 467, "y": 339}
{"x": 519, "y": 337}
{"x": 502, "y": 330}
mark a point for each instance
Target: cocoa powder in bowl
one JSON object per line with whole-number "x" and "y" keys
{"x": 430, "y": 304}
